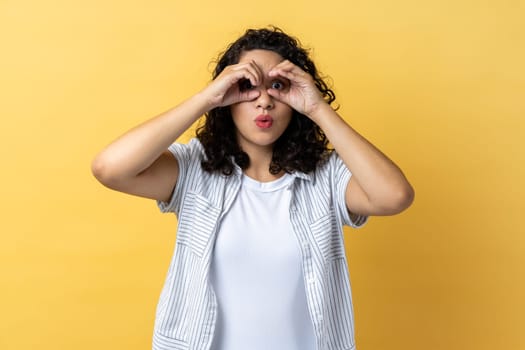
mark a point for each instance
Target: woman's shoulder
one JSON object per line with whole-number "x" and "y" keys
{"x": 328, "y": 163}
{"x": 193, "y": 144}
{"x": 188, "y": 152}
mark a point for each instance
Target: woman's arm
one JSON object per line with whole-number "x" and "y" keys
{"x": 377, "y": 185}
{"x": 139, "y": 163}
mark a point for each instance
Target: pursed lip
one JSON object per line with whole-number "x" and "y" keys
{"x": 264, "y": 121}
{"x": 264, "y": 118}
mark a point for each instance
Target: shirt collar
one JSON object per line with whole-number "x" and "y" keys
{"x": 237, "y": 171}
{"x": 304, "y": 176}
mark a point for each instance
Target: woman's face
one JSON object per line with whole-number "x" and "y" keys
{"x": 260, "y": 122}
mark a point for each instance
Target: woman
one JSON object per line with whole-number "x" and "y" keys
{"x": 261, "y": 200}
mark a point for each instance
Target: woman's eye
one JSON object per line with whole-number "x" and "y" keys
{"x": 277, "y": 85}
{"x": 245, "y": 84}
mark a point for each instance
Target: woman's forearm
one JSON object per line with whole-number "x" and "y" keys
{"x": 138, "y": 148}
{"x": 380, "y": 178}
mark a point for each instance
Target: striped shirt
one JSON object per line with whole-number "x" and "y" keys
{"x": 187, "y": 309}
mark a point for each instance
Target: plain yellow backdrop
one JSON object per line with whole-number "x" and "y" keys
{"x": 438, "y": 85}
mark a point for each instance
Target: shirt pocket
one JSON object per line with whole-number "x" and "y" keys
{"x": 172, "y": 316}
{"x": 328, "y": 236}
{"x": 161, "y": 341}
{"x": 197, "y": 221}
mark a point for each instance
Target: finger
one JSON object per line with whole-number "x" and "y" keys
{"x": 295, "y": 81}
{"x": 249, "y": 95}
{"x": 285, "y": 74}
{"x": 278, "y": 95}
{"x": 236, "y": 96}
{"x": 250, "y": 71}
{"x": 241, "y": 74}
{"x": 294, "y": 74}
{"x": 285, "y": 66}
{"x": 260, "y": 73}
{"x": 285, "y": 63}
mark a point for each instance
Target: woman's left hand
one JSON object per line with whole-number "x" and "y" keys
{"x": 301, "y": 94}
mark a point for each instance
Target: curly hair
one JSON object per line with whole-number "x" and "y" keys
{"x": 302, "y": 146}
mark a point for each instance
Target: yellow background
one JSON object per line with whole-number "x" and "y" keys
{"x": 438, "y": 85}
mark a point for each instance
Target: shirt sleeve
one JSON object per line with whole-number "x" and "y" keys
{"x": 340, "y": 177}
{"x": 188, "y": 158}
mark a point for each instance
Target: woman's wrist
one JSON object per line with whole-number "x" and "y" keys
{"x": 320, "y": 112}
{"x": 204, "y": 102}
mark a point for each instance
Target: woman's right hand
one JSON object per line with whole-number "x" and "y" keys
{"x": 225, "y": 90}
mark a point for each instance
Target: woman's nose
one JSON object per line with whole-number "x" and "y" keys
{"x": 264, "y": 100}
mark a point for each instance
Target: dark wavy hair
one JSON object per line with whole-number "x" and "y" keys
{"x": 303, "y": 145}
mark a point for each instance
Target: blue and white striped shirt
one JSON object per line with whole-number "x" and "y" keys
{"x": 187, "y": 309}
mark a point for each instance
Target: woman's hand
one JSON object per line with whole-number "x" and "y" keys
{"x": 302, "y": 94}
{"x": 224, "y": 90}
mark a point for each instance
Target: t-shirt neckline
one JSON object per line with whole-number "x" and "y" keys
{"x": 268, "y": 186}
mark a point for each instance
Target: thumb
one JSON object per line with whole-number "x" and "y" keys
{"x": 249, "y": 95}
{"x": 276, "y": 94}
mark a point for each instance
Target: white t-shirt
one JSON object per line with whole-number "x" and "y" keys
{"x": 256, "y": 273}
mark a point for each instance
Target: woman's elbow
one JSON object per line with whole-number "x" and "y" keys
{"x": 401, "y": 199}
{"x": 103, "y": 171}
